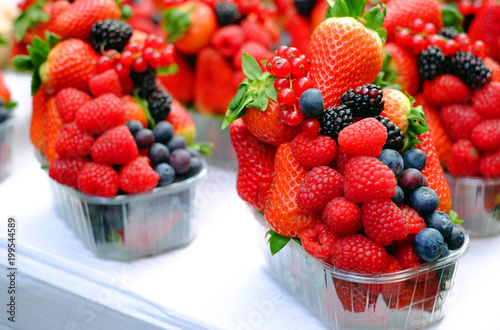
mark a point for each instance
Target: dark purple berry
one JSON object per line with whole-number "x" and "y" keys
{"x": 177, "y": 142}
{"x": 180, "y": 159}
{"x": 411, "y": 179}
{"x": 159, "y": 153}
{"x": 144, "y": 138}
{"x": 134, "y": 126}
{"x": 166, "y": 173}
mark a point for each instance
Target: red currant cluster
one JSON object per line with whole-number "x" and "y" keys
{"x": 155, "y": 52}
{"x": 469, "y": 7}
{"x": 422, "y": 35}
{"x": 290, "y": 68}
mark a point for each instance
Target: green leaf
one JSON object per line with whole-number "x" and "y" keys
{"x": 454, "y": 217}
{"x": 416, "y": 125}
{"x": 251, "y": 67}
{"x": 30, "y": 18}
{"x": 177, "y": 22}
{"x": 338, "y": 8}
{"x": 276, "y": 241}
{"x": 238, "y": 97}
{"x": 452, "y": 16}
{"x": 145, "y": 108}
{"x": 35, "y": 82}
{"x": 271, "y": 92}
{"x": 167, "y": 70}
{"x": 10, "y": 105}
{"x": 126, "y": 12}
{"x": 3, "y": 41}
{"x": 44, "y": 167}
{"x": 51, "y": 39}
{"x": 356, "y": 7}
{"x": 23, "y": 63}
{"x": 204, "y": 148}
{"x": 374, "y": 19}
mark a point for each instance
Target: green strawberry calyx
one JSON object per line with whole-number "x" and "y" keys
{"x": 36, "y": 60}
{"x": 204, "y": 148}
{"x": 125, "y": 10}
{"x": 145, "y": 108}
{"x": 277, "y": 242}
{"x": 31, "y": 17}
{"x": 177, "y": 22}
{"x": 3, "y": 41}
{"x": 386, "y": 76}
{"x": 253, "y": 92}
{"x": 452, "y": 16}
{"x": 454, "y": 217}
{"x": 372, "y": 19}
{"x": 416, "y": 124}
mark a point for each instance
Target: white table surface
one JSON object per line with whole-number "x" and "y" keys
{"x": 218, "y": 281}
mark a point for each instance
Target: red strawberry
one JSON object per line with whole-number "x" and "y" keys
{"x": 66, "y": 171}
{"x": 299, "y": 29}
{"x": 367, "y": 178}
{"x": 363, "y": 138}
{"x": 343, "y": 216}
{"x": 213, "y": 85}
{"x": 402, "y": 13}
{"x": 320, "y": 186}
{"x": 228, "y": 39}
{"x": 100, "y": 114}
{"x": 52, "y": 124}
{"x": 489, "y": 166}
{"x": 73, "y": 142}
{"x": 180, "y": 84}
{"x": 494, "y": 68}
{"x": 98, "y": 180}
{"x": 137, "y": 176}
{"x": 459, "y": 120}
{"x": 40, "y": 100}
{"x": 486, "y": 101}
{"x": 282, "y": 213}
{"x": 404, "y": 63}
{"x": 407, "y": 256}
{"x": 254, "y": 31}
{"x": 464, "y": 159}
{"x": 181, "y": 120}
{"x": 353, "y": 296}
{"x": 254, "y": 49}
{"x": 313, "y": 151}
{"x": 318, "y": 240}
{"x": 445, "y": 90}
{"x": 397, "y": 108}
{"x": 77, "y": 20}
{"x": 134, "y": 111}
{"x": 486, "y": 27}
{"x": 414, "y": 221}
{"x": 69, "y": 101}
{"x": 115, "y": 146}
{"x": 105, "y": 83}
{"x": 358, "y": 253}
{"x": 4, "y": 90}
{"x": 255, "y": 163}
{"x": 383, "y": 221}
{"x": 486, "y": 136}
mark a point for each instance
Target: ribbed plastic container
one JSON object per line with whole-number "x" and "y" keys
{"x": 409, "y": 299}
{"x": 477, "y": 202}
{"x": 6, "y": 134}
{"x": 128, "y": 227}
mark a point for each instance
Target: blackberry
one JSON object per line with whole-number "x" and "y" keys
{"x": 333, "y": 120}
{"x": 448, "y": 32}
{"x": 145, "y": 82}
{"x": 227, "y": 13}
{"x": 395, "y": 138}
{"x": 110, "y": 34}
{"x": 431, "y": 63}
{"x": 304, "y": 7}
{"x": 159, "y": 105}
{"x": 470, "y": 69}
{"x": 364, "y": 101}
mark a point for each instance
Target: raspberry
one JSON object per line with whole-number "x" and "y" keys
{"x": 367, "y": 178}
{"x": 65, "y": 171}
{"x": 69, "y": 101}
{"x": 470, "y": 68}
{"x": 228, "y": 39}
{"x": 110, "y": 34}
{"x": 160, "y": 103}
{"x": 395, "y": 137}
{"x": 100, "y": 114}
{"x": 486, "y": 101}
{"x": 383, "y": 221}
{"x": 227, "y": 13}
{"x": 444, "y": 90}
{"x": 414, "y": 221}
{"x": 489, "y": 166}
{"x": 116, "y": 146}
{"x": 486, "y": 136}
{"x": 354, "y": 297}
{"x": 98, "y": 180}
{"x": 364, "y": 138}
{"x": 137, "y": 176}
{"x": 364, "y": 101}
{"x": 333, "y": 120}
{"x": 107, "y": 82}
{"x": 464, "y": 159}
{"x": 431, "y": 63}
{"x": 254, "y": 31}
{"x": 320, "y": 186}
{"x": 340, "y": 161}
{"x": 459, "y": 120}
{"x": 420, "y": 295}
{"x": 343, "y": 216}
{"x": 358, "y": 253}
{"x": 407, "y": 256}
{"x": 318, "y": 240}
{"x": 73, "y": 142}
{"x": 313, "y": 151}
{"x": 387, "y": 289}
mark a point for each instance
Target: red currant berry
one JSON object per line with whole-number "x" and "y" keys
{"x": 419, "y": 43}
{"x": 283, "y": 114}
{"x": 418, "y": 25}
{"x": 122, "y": 70}
{"x": 465, "y": 7}
{"x": 299, "y": 67}
{"x": 294, "y": 118}
{"x": 269, "y": 64}
{"x": 133, "y": 48}
{"x": 307, "y": 63}
{"x": 281, "y": 83}
{"x": 286, "y": 97}
{"x": 478, "y": 48}
{"x": 311, "y": 127}
{"x": 450, "y": 47}
{"x": 154, "y": 60}
{"x": 150, "y": 41}
{"x": 280, "y": 51}
{"x": 404, "y": 37}
{"x": 139, "y": 65}
{"x": 126, "y": 58}
{"x": 301, "y": 85}
{"x": 281, "y": 67}
{"x": 462, "y": 39}
{"x": 160, "y": 43}
{"x": 146, "y": 53}
{"x": 291, "y": 52}
{"x": 104, "y": 63}
{"x": 430, "y": 29}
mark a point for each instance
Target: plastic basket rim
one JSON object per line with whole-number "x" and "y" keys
{"x": 7, "y": 124}
{"x": 472, "y": 180}
{"x": 403, "y": 275}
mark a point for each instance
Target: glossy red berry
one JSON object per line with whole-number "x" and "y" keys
{"x": 294, "y": 118}
{"x": 269, "y": 64}
{"x": 430, "y": 29}
{"x": 299, "y": 66}
{"x": 478, "y": 48}
{"x": 287, "y": 97}
{"x": 104, "y": 63}
{"x": 280, "y": 51}
{"x": 126, "y": 58}
{"x": 140, "y": 65}
{"x": 122, "y": 70}
{"x": 404, "y": 37}
{"x": 301, "y": 85}
{"x": 281, "y": 67}
{"x": 311, "y": 127}
{"x": 133, "y": 48}
{"x": 462, "y": 39}
{"x": 291, "y": 52}
{"x": 450, "y": 47}
{"x": 418, "y": 25}
{"x": 419, "y": 43}
{"x": 281, "y": 83}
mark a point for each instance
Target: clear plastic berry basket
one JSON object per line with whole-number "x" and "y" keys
{"x": 6, "y": 134}
{"x": 477, "y": 202}
{"x": 409, "y": 299}
{"x": 128, "y": 227}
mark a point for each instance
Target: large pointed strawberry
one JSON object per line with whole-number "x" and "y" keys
{"x": 40, "y": 101}
{"x": 183, "y": 124}
{"x": 404, "y": 64}
{"x": 486, "y": 27}
{"x": 52, "y": 124}
{"x": 345, "y": 53}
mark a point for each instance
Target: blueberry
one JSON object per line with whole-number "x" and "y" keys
{"x": 134, "y": 126}
{"x": 163, "y": 132}
{"x": 424, "y": 200}
{"x": 4, "y": 115}
{"x": 441, "y": 222}
{"x": 428, "y": 244}
{"x": 144, "y": 138}
{"x": 166, "y": 173}
{"x": 393, "y": 160}
{"x": 414, "y": 158}
{"x": 311, "y": 103}
{"x": 399, "y": 196}
{"x": 180, "y": 159}
{"x": 195, "y": 168}
{"x": 411, "y": 179}
{"x": 159, "y": 153}
{"x": 456, "y": 239}
{"x": 445, "y": 273}
{"x": 177, "y": 142}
